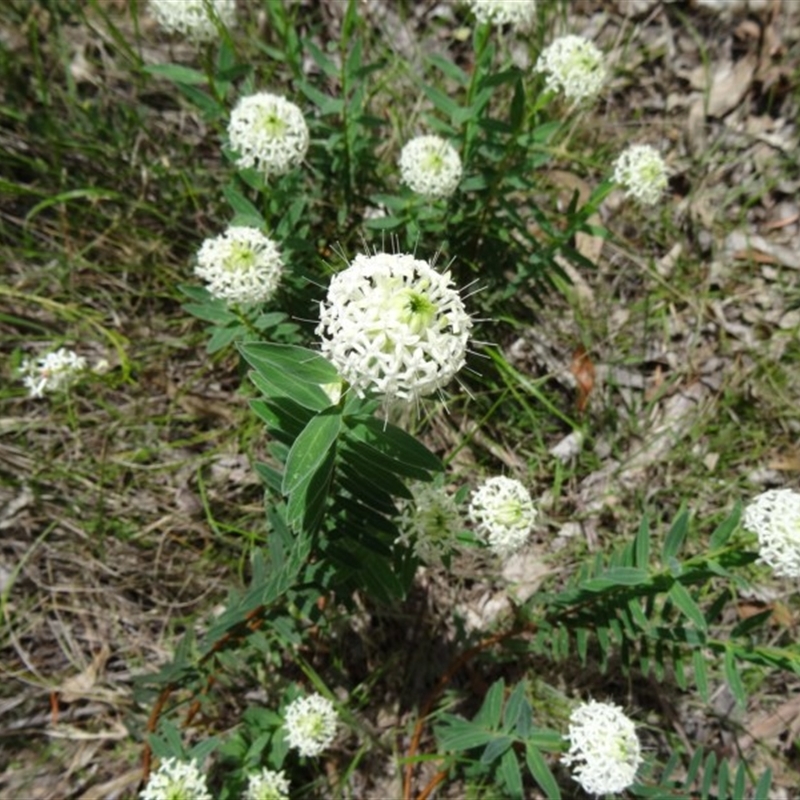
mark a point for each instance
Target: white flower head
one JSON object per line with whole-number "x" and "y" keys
{"x": 194, "y": 19}
{"x": 241, "y": 265}
{"x": 603, "y": 747}
{"x": 267, "y": 785}
{"x": 430, "y": 166}
{"x": 310, "y": 724}
{"x": 268, "y": 133}
{"x": 519, "y": 14}
{"x": 643, "y": 173}
{"x": 393, "y": 325}
{"x": 52, "y": 372}
{"x": 573, "y": 65}
{"x": 430, "y": 523}
{"x": 504, "y": 514}
{"x": 775, "y": 517}
{"x": 176, "y": 780}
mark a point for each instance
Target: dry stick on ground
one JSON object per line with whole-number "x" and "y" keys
{"x": 433, "y": 696}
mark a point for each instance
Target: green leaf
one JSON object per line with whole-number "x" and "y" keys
{"x": 680, "y": 596}
{"x": 514, "y": 706}
{"x": 740, "y": 782}
{"x": 734, "y": 679}
{"x": 541, "y": 773}
{"x": 391, "y": 447}
{"x": 709, "y": 773}
{"x": 298, "y": 363}
{"x": 459, "y": 734}
{"x": 496, "y": 748}
{"x": 176, "y": 73}
{"x": 306, "y": 505}
{"x": 751, "y": 623}
{"x": 212, "y": 311}
{"x": 492, "y": 706}
{"x": 441, "y": 101}
{"x": 642, "y": 545}
{"x": 222, "y": 337}
{"x": 510, "y": 773}
{"x": 246, "y": 213}
{"x": 675, "y": 536}
{"x": 724, "y": 530}
{"x": 208, "y": 105}
{"x": 617, "y": 576}
{"x": 323, "y": 62}
{"x": 311, "y": 448}
{"x": 384, "y": 223}
{"x": 453, "y": 71}
{"x": 307, "y": 395}
{"x": 764, "y": 784}
{"x": 326, "y": 104}
{"x": 701, "y": 673}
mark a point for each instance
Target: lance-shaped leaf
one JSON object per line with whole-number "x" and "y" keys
{"x": 311, "y": 449}
{"x": 287, "y": 364}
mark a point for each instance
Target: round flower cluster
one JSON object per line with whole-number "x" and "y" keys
{"x": 603, "y": 747}
{"x": 430, "y": 166}
{"x": 191, "y": 18}
{"x": 573, "y": 65}
{"x": 504, "y": 514}
{"x": 310, "y": 724}
{"x": 267, "y": 785}
{"x": 240, "y": 266}
{"x": 775, "y": 517}
{"x": 393, "y": 325}
{"x": 430, "y": 523}
{"x": 519, "y": 14}
{"x": 176, "y": 780}
{"x": 52, "y": 372}
{"x": 642, "y": 171}
{"x": 268, "y": 133}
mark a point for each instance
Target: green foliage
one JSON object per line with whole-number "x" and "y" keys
{"x": 336, "y": 472}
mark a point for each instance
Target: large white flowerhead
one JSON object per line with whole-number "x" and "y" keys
{"x": 310, "y": 724}
{"x": 519, "y": 14}
{"x": 775, "y": 517}
{"x": 268, "y": 133}
{"x": 430, "y": 166}
{"x": 267, "y": 785}
{"x": 393, "y": 325}
{"x": 191, "y": 18}
{"x": 604, "y": 748}
{"x": 176, "y": 780}
{"x": 240, "y": 266}
{"x": 430, "y": 523}
{"x": 52, "y": 372}
{"x": 643, "y": 173}
{"x": 573, "y": 65}
{"x": 503, "y": 513}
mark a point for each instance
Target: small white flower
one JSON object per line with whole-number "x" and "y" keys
{"x": 268, "y": 133}
{"x": 310, "y": 724}
{"x": 240, "y": 266}
{"x": 191, "y": 18}
{"x": 604, "y": 747}
{"x": 52, "y": 372}
{"x": 176, "y": 780}
{"x": 504, "y": 514}
{"x": 573, "y": 65}
{"x": 519, "y": 14}
{"x": 430, "y": 166}
{"x": 267, "y": 785}
{"x": 430, "y": 523}
{"x": 642, "y": 171}
{"x": 393, "y": 325}
{"x": 775, "y": 517}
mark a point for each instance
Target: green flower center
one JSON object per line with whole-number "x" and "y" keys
{"x": 415, "y": 310}
{"x": 272, "y": 124}
{"x": 240, "y": 258}
{"x": 433, "y": 162}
